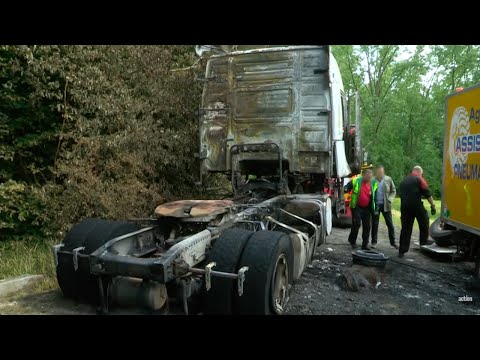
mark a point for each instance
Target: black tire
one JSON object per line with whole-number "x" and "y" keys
{"x": 442, "y": 237}
{"x": 369, "y": 258}
{"x": 226, "y": 252}
{"x": 90, "y": 233}
{"x": 260, "y": 255}
{"x": 342, "y": 222}
{"x": 69, "y": 280}
{"x": 107, "y": 230}
{"x": 77, "y": 236}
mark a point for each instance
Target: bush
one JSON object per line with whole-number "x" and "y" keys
{"x": 104, "y": 131}
{"x": 133, "y": 141}
{"x": 22, "y": 212}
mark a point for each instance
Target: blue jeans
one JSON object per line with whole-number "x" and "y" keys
{"x": 387, "y": 215}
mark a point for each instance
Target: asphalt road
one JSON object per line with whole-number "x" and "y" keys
{"x": 416, "y": 284}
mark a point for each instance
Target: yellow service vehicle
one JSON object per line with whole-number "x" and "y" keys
{"x": 459, "y": 223}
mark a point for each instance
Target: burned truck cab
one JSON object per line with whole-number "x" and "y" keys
{"x": 277, "y": 114}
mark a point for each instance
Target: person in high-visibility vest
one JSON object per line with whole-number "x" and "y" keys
{"x": 364, "y": 167}
{"x": 362, "y": 204}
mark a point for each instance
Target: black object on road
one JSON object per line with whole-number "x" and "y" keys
{"x": 441, "y": 236}
{"x": 369, "y": 258}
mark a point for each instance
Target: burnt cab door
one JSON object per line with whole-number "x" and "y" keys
{"x": 263, "y": 103}
{"x": 214, "y": 115}
{"x": 281, "y": 95}
{"x": 314, "y": 103}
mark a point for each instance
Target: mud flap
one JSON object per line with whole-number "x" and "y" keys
{"x": 341, "y": 162}
{"x": 328, "y": 216}
{"x": 299, "y": 256}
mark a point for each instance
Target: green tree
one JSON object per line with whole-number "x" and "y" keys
{"x": 403, "y": 101}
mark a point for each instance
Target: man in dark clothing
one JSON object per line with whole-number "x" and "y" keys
{"x": 363, "y": 206}
{"x": 412, "y": 189}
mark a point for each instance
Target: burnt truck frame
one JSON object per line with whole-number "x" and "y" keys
{"x": 238, "y": 256}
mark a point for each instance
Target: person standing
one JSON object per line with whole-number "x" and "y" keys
{"x": 383, "y": 205}
{"x": 363, "y": 206}
{"x": 412, "y": 189}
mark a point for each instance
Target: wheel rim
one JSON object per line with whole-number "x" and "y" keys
{"x": 279, "y": 296}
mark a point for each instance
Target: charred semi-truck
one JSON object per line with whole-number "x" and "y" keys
{"x": 274, "y": 120}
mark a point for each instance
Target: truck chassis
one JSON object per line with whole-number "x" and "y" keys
{"x": 171, "y": 262}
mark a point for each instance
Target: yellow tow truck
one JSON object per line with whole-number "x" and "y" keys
{"x": 459, "y": 223}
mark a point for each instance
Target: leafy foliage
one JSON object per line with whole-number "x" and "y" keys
{"x": 131, "y": 145}
{"x": 105, "y": 131}
{"x": 21, "y": 211}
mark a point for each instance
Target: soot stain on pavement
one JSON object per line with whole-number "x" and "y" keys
{"x": 414, "y": 285}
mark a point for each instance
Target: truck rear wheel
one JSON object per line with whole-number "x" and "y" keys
{"x": 269, "y": 258}
{"x": 90, "y": 233}
{"x": 441, "y": 236}
{"x": 343, "y": 221}
{"x": 226, "y": 253}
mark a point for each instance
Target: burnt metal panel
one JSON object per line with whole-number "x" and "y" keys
{"x": 267, "y": 102}
{"x": 279, "y": 95}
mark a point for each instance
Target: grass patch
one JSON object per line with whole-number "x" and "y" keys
{"x": 22, "y": 257}
{"x": 396, "y": 211}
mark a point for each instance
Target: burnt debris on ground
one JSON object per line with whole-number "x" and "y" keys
{"x": 416, "y": 284}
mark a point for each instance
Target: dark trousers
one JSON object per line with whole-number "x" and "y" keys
{"x": 360, "y": 216}
{"x": 408, "y": 217}
{"x": 387, "y": 215}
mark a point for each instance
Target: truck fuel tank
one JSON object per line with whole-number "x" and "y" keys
{"x": 135, "y": 292}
